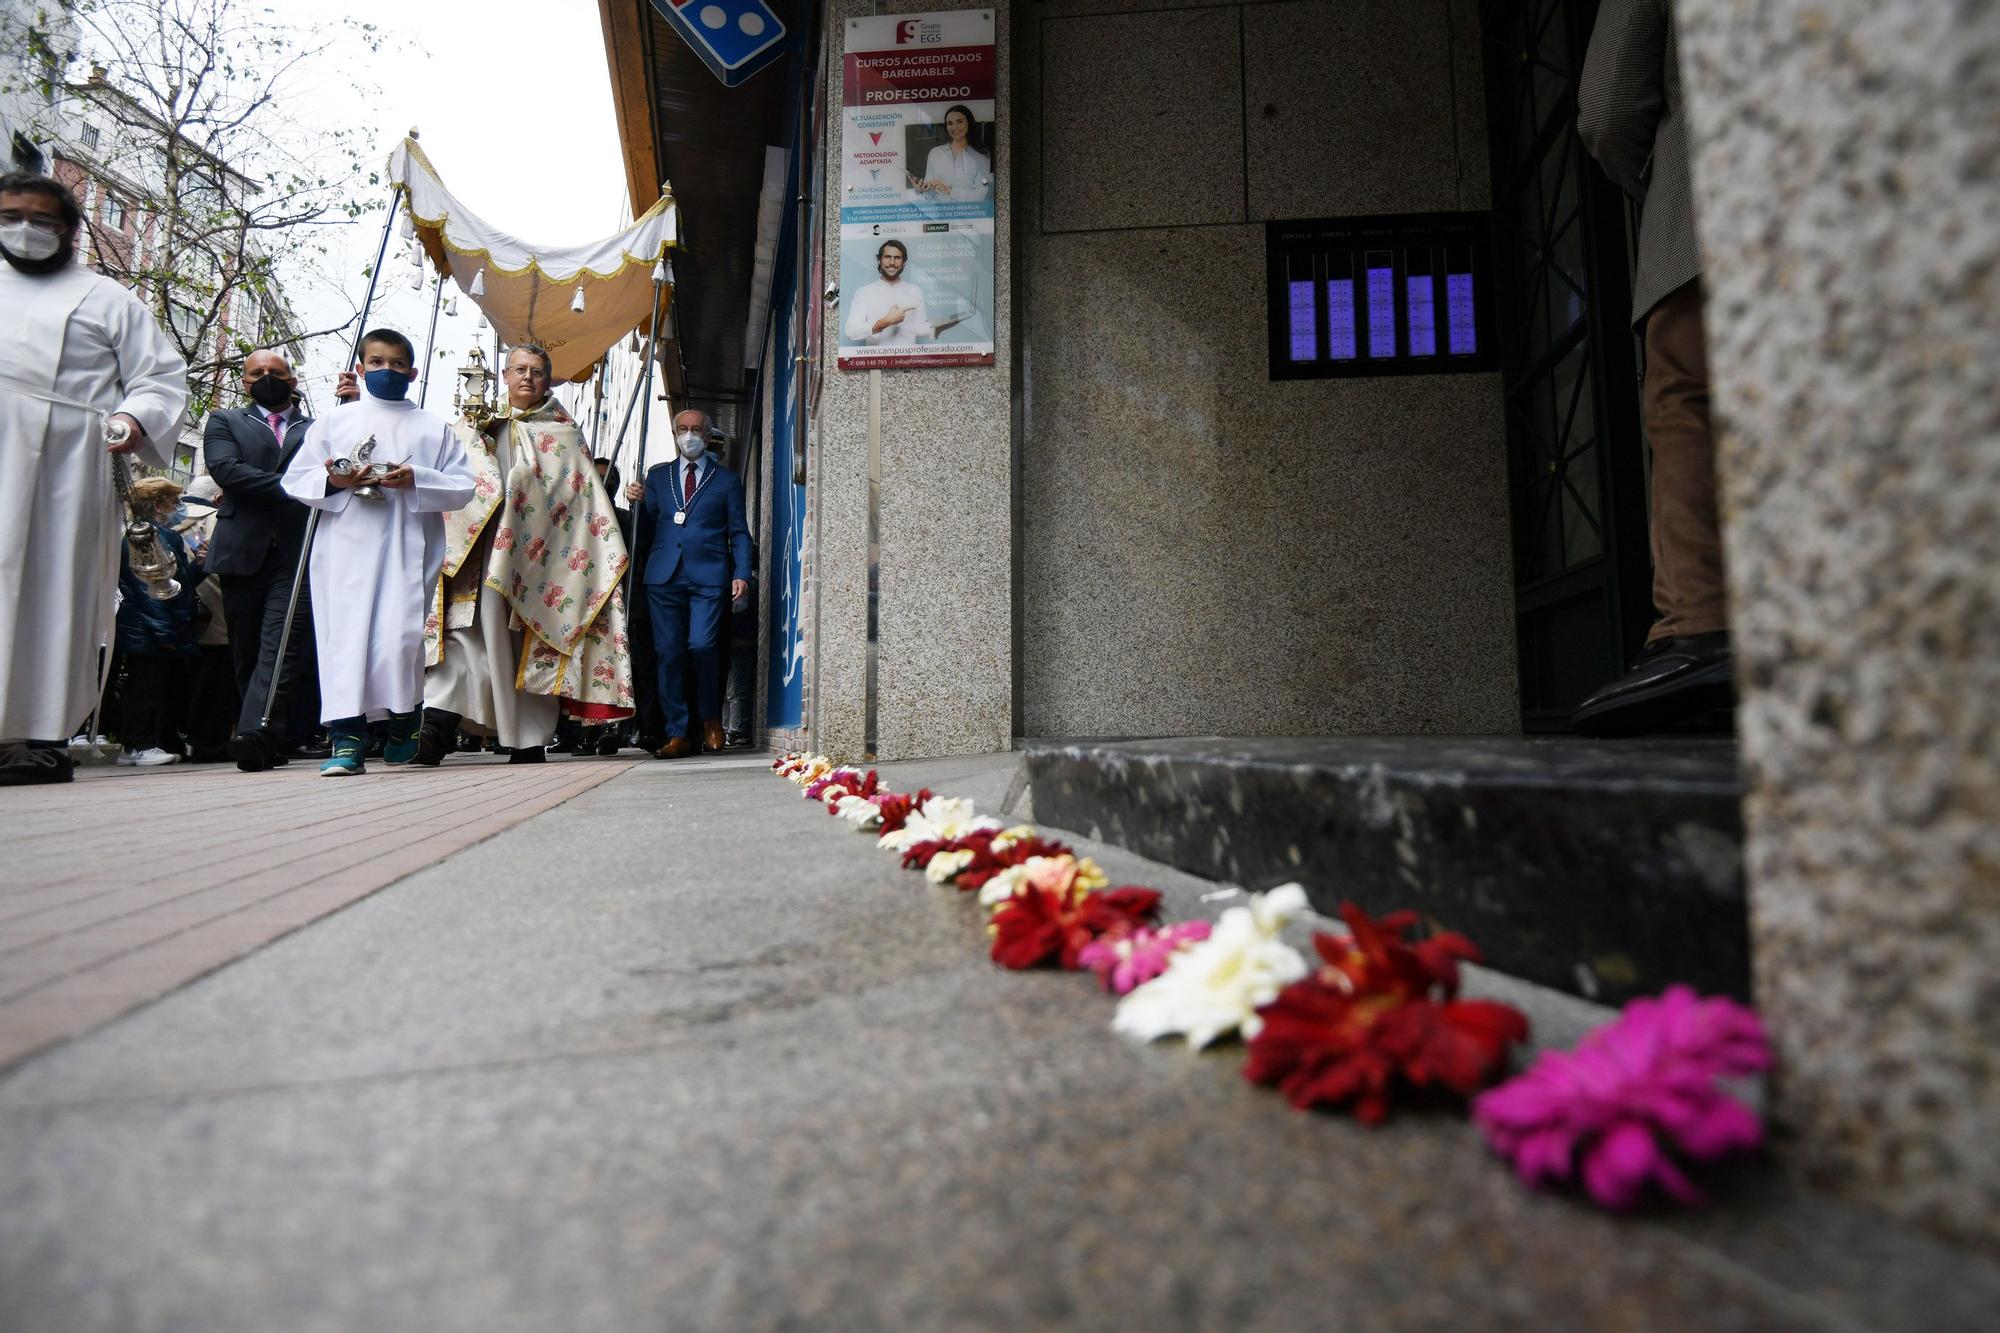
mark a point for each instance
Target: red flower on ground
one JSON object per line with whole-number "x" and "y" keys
{"x": 864, "y": 787}
{"x": 989, "y": 860}
{"x": 1380, "y": 1012}
{"x": 897, "y": 807}
{"x": 918, "y": 854}
{"x": 1040, "y": 925}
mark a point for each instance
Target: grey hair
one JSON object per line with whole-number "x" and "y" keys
{"x": 548, "y": 362}
{"x": 707, "y": 421}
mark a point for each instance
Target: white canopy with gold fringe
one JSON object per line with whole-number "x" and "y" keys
{"x": 530, "y": 292}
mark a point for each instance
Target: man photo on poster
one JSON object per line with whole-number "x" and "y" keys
{"x": 891, "y": 312}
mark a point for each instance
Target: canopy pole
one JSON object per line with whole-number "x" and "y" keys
{"x": 430, "y": 342}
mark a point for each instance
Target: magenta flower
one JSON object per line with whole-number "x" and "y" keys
{"x": 1634, "y": 1101}
{"x": 844, "y": 776}
{"x": 1123, "y": 959}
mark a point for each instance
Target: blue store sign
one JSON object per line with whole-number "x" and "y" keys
{"x": 734, "y": 38}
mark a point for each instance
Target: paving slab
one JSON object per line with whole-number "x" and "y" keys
{"x": 130, "y": 882}
{"x": 683, "y": 1053}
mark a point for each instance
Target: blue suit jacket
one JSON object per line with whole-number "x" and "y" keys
{"x": 713, "y": 546}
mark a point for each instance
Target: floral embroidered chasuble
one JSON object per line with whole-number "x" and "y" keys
{"x": 556, "y": 556}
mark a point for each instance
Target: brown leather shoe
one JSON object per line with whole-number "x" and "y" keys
{"x": 677, "y": 748}
{"x": 711, "y": 737}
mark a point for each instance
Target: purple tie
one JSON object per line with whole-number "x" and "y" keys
{"x": 687, "y": 494}
{"x": 277, "y": 425}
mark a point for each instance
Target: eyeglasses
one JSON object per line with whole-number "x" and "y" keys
{"x": 41, "y": 222}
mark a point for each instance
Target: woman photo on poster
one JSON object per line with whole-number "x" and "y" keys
{"x": 955, "y": 170}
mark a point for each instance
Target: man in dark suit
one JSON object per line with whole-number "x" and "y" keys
{"x": 695, "y": 549}
{"x": 255, "y": 549}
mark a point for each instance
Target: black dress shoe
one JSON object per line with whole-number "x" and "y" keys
{"x": 34, "y": 763}
{"x": 1671, "y": 682}
{"x": 254, "y": 751}
{"x": 531, "y": 754}
{"x": 436, "y": 738}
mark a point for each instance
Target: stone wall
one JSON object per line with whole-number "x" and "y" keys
{"x": 1847, "y": 167}
{"x": 1202, "y": 550}
{"x": 945, "y": 673}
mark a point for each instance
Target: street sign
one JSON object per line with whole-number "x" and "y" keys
{"x": 734, "y": 38}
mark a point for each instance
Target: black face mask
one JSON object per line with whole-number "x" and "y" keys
{"x": 272, "y": 393}
{"x": 56, "y": 262}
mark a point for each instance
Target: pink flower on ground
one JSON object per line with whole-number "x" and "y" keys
{"x": 1124, "y": 959}
{"x": 844, "y": 776}
{"x": 1634, "y": 1101}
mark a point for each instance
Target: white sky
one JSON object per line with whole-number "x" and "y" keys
{"x": 514, "y": 103}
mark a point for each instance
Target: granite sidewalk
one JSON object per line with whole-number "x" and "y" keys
{"x": 682, "y": 1053}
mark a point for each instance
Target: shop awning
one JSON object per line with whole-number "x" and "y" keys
{"x": 528, "y": 291}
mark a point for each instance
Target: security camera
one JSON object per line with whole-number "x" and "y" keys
{"x": 832, "y": 292}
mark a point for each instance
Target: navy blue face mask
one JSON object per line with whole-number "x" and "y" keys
{"x": 391, "y": 384}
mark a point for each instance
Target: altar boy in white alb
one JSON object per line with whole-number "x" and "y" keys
{"x": 379, "y": 549}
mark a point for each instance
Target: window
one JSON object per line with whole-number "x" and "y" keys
{"x": 89, "y": 136}
{"x": 114, "y": 213}
{"x": 187, "y": 323}
{"x": 1396, "y": 295}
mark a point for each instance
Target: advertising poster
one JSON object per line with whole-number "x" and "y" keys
{"x": 918, "y": 146}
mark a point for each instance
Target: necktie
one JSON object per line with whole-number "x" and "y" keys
{"x": 277, "y": 420}
{"x": 687, "y": 492}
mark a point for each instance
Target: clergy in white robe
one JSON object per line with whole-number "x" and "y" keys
{"x": 375, "y": 559}
{"x": 75, "y": 349}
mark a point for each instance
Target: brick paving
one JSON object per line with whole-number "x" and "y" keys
{"x": 126, "y": 884}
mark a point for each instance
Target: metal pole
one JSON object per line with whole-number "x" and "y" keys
{"x": 644, "y": 386}
{"x": 645, "y": 371}
{"x": 430, "y": 341}
{"x": 312, "y": 515}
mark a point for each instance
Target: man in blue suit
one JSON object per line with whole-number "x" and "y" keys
{"x": 696, "y": 548}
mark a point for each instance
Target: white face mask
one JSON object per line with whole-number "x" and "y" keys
{"x": 691, "y": 445}
{"x": 26, "y": 242}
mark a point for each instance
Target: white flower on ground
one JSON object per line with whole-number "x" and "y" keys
{"x": 1002, "y": 886}
{"x": 942, "y": 819}
{"x": 859, "y": 811}
{"x": 1215, "y": 987}
{"x": 944, "y": 865}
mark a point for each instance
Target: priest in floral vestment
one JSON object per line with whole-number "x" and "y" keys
{"x": 528, "y": 621}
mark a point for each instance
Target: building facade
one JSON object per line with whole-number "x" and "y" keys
{"x": 1146, "y": 517}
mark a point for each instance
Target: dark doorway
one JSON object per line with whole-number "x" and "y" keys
{"x": 1576, "y": 457}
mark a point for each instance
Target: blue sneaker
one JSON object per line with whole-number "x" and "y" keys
{"x": 401, "y": 745}
{"x": 346, "y": 757}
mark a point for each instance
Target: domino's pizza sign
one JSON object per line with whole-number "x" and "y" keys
{"x": 734, "y": 38}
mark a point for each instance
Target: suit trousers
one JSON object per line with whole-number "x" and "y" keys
{"x": 254, "y": 606}
{"x": 687, "y": 630}
{"x": 1688, "y": 590}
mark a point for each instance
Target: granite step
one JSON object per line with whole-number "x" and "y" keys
{"x": 1605, "y": 868}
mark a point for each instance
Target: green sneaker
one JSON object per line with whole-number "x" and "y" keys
{"x": 346, "y": 757}
{"x": 401, "y": 746}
